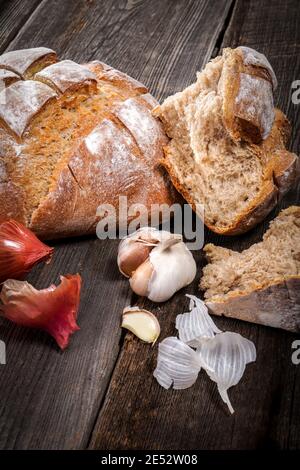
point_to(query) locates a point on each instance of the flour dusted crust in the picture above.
(246, 85)
(66, 75)
(7, 77)
(20, 102)
(118, 78)
(73, 137)
(262, 283)
(227, 151)
(26, 62)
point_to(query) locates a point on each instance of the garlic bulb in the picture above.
(141, 323)
(157, 262)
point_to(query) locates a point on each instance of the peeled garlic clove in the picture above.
(141, 323)
(139, 282)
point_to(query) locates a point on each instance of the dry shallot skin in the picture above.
(20, 250)
(53, 309)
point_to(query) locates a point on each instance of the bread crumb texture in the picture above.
(228, 142)
(271, 261)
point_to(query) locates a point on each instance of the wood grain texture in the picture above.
(50, 398)
(13, 15)
(137, 412)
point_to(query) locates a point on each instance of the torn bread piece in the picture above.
(228, 143)
(262, 283)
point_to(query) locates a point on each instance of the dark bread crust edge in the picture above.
(277, 305)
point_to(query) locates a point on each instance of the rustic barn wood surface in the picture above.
(100, 393)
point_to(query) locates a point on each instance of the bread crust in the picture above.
(277, 305)
(117, 154)
(272, 301)
(246, 85)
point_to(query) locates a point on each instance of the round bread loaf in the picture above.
(73, 137)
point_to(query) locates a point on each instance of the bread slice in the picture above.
(227, 150)
(260, 284)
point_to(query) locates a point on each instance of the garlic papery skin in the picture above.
(136, 247)
(139, 282)
(178, 365)
(224, 358)
(141, 323)
(168, 267)
(196, 325)
(173, 268)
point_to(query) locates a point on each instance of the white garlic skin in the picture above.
(173, 269)
(135, 248)
(169, 266)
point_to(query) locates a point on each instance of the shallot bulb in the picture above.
(53, 309)
(158, 263)
(20, 250)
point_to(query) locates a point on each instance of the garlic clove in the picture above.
(141, 323)
(139, 281)
(136, 247)
(131, 258)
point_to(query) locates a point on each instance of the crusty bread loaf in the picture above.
(227, 150)
(260, 284)
(73, 137)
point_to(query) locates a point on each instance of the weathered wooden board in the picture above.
(137, 412)
(51, 399)
(13, 16)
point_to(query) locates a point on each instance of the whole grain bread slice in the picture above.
(262, 283)
(228, 143)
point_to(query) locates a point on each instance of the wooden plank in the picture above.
(51, 399)
(13, 15)
(137, 412)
